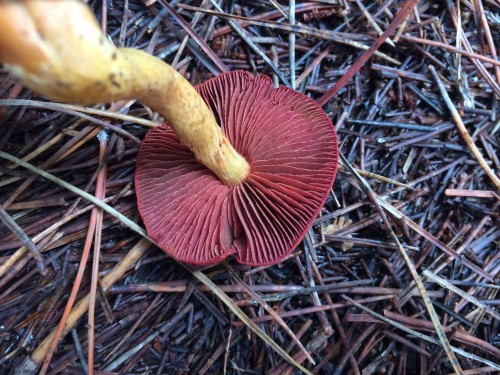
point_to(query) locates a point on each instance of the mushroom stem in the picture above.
(57, 49)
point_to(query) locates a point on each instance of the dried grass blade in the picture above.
(67, 109)
(420, 335)
(89, 110)
(445, 284)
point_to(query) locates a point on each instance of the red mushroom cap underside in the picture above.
(291, 147)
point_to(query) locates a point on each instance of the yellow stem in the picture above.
(57, 49)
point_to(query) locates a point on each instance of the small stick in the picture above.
(462, 130)
(471, 193)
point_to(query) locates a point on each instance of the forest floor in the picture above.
(397, 275)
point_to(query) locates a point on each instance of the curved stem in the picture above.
(57, 49)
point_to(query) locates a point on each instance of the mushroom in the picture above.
(291, 148)
(249, 183)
